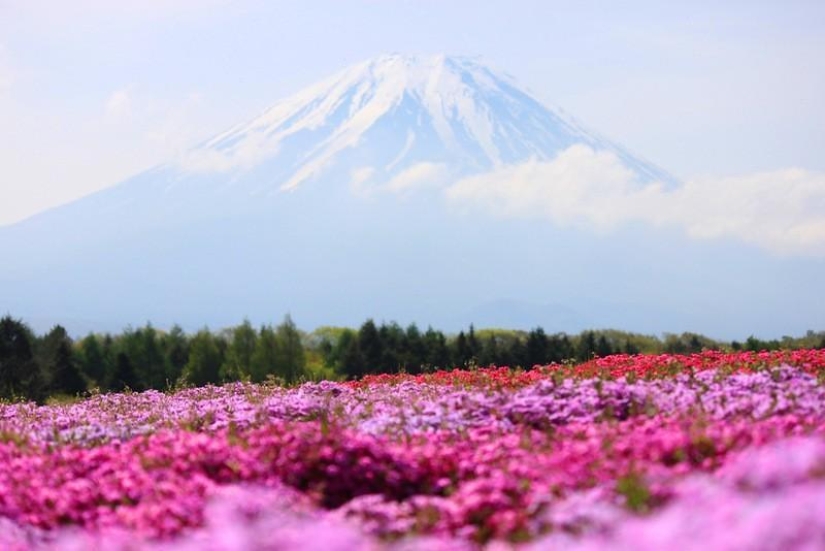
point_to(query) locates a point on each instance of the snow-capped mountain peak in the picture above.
(394, 119)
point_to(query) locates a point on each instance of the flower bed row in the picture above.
(615, 366)
(410, 407)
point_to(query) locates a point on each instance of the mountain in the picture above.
(331, 205)
(396, 121)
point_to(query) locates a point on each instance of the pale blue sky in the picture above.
(94, 91)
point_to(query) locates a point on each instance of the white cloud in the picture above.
(419, 175)
(367, 181)
(781, 211)
(579, 187)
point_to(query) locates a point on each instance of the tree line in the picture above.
(35, 367)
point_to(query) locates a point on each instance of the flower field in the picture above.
(711, 451)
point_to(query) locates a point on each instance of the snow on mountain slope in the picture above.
(396, 122)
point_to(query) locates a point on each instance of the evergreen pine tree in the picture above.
(205, 360)
(146, 356)
(416, 353)
(20, 374)
(109, 350)
(131, 344)
(66, 377)
(537, 346)
(518, 353)
(92, 360)
(290, 357)
(265, 358)
(490, 354)
(393, 351)
(630, 348)
(175, 347)
(123, 377)
(350, 361)
(559, 348)
(603, 347)
(371, 347)
(461, 351)
(238, 362)
(437, 353)
(55, 355)
(59, 364)
(473, 346)
(586, 348)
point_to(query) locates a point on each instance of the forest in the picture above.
(55, 366)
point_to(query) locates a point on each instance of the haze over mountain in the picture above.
(409, 188)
